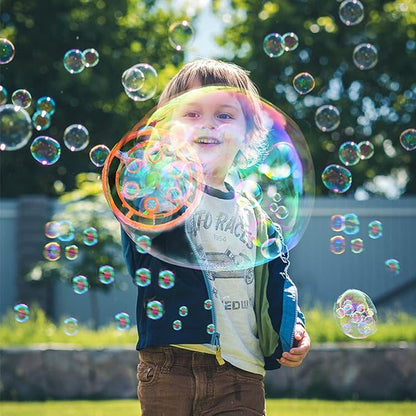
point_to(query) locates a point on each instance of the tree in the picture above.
(375, 104)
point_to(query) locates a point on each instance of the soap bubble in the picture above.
(21, 312)
(76, 137)
(365, 56)
(210, 329)
(98, 154)
(177, 324)
(46, 104)
(357, 245)
(66, 231)
(327, 118)
(337, 244)
(166, 279)
(22, 98)
(132, 79)
(183, 311)
(142, 90)
(45, 150)
(303, 83)
(349, 153)
(71, 252)
(337, 223)
(52, 229)
(41, 120)
(291, 41)
(274, 45)
(337, 178)
(153, 179)
(52, 251)
(351, 12)
(74, 61)
(7, 51)
(70, 326)
(80, 284)
(143, 277)
(181, 34)
(351, 224)
(3, 95)
(392, 266)
(408, 139)
(154, 309)
(375, 229)
(355, 314)
(90, 236)
(15, 127)
(123, 321)
(106, 274)
(208, 304)
(91, 57)
(366, 149)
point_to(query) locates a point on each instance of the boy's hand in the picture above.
(295, 356)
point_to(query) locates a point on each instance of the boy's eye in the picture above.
(225, 116)
(191, 114)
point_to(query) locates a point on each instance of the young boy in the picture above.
(208, 333)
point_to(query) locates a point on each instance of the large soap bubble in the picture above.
(15, 127)
(212, 170)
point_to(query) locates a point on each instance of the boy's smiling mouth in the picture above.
(207, 140)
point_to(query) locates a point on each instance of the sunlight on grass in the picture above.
(275, 407)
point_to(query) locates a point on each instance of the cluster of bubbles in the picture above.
(181, 34)
(355, 314)
(275, 44)
(75, 60)
(140, 81)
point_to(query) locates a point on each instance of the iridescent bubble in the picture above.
(143, 277)
(90, 236)
(366, 149)
(303, 83)
(22, 98)
(106, 274)
(52, 229)
(408, 139)
(143, 244)
(71, 252)
(208, 304)
(271, 248)
(21, 312)
(45, 150)
(351, 224)
(52, 251)
(337, 223)
(3, 95)
(132, 79)
(281, 212)
(375, 229)
(91, 56)
(123, 321)
(166, 279)
(74, 61)
(327, 118)
(337, 178)
(177, 324)
(154, 309)
(357, 245)
(274, 45)
(41, 120)
(71, 326)
(355, 314)
(98, 154)
(80, 284)
(210, 329)
(66, 231)
(46, 104)
(181, 34)
(365, 56)
(278, 164)
(351, 12)
(15, 127)
(7, 51)
(76, 137)
(291, 41)
(349, 153)
(337, 244)
(183, 311)
(148, 89)
(392, 266)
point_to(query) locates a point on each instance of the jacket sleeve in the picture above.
(130, 253)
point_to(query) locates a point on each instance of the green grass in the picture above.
(397, 327)
(275, 407)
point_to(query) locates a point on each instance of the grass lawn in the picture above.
(275, 407)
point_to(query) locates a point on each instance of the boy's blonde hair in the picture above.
(210, 72)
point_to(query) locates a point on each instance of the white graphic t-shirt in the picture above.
(221, 234)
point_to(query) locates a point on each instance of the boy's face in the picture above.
(216, 129)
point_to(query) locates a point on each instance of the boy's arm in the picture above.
(297, 354)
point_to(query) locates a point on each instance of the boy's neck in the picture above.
(216, 183)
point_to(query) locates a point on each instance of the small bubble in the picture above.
(181, 34)
(143, 277)
(71, 252)
(303, 83)
(90, 236)
(46, 104)
(154, 309)
(80, 284)
(208, 304)
(91, 57)
(74, 61)
(122, 320)
(351, 12)
(177, 325)
(51, 229)
(106, 274)
(357, 245)
(365, 56)
(337, 244)
(375, 229)
(15, 127)
(41, 120)
(366, 149)
(45, 150)
(52, 251)
(349, 153)
(392, 266)
(3, 95)
(76, 137)
(21, 312)
(166, 279)
(327, 118)
(183, 311)
(70, 326)
(408, 139)
(351, 224)
(7, 51)
(337, 178)
(274, 45)
(66, 231)
(98, 154)
(337, 223)
(22, 98)
(210, 329)
(291, 41)
(143, 244)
